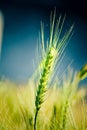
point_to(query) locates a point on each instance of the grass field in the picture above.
(17, 108)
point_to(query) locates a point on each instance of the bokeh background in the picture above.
(20, 35)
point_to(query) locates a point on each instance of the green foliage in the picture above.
(17, 107)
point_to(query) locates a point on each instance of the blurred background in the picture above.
(19, 29)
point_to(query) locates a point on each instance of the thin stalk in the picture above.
(42, 87)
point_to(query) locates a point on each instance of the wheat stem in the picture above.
(54, 49)
(42, 87)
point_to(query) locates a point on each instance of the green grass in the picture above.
(17, 108)
(46, 105)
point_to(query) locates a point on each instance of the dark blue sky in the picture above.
(21, 27)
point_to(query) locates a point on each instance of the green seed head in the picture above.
(82, 74)
(42, 87)
(54, 49)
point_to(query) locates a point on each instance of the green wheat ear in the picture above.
(82, 74)
(53, 53)
(42, 87)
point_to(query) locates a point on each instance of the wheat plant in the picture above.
(55, 48)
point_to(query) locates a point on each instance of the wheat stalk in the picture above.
(82, 74)
(68, 94)
(53, 54)
(42, 88)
